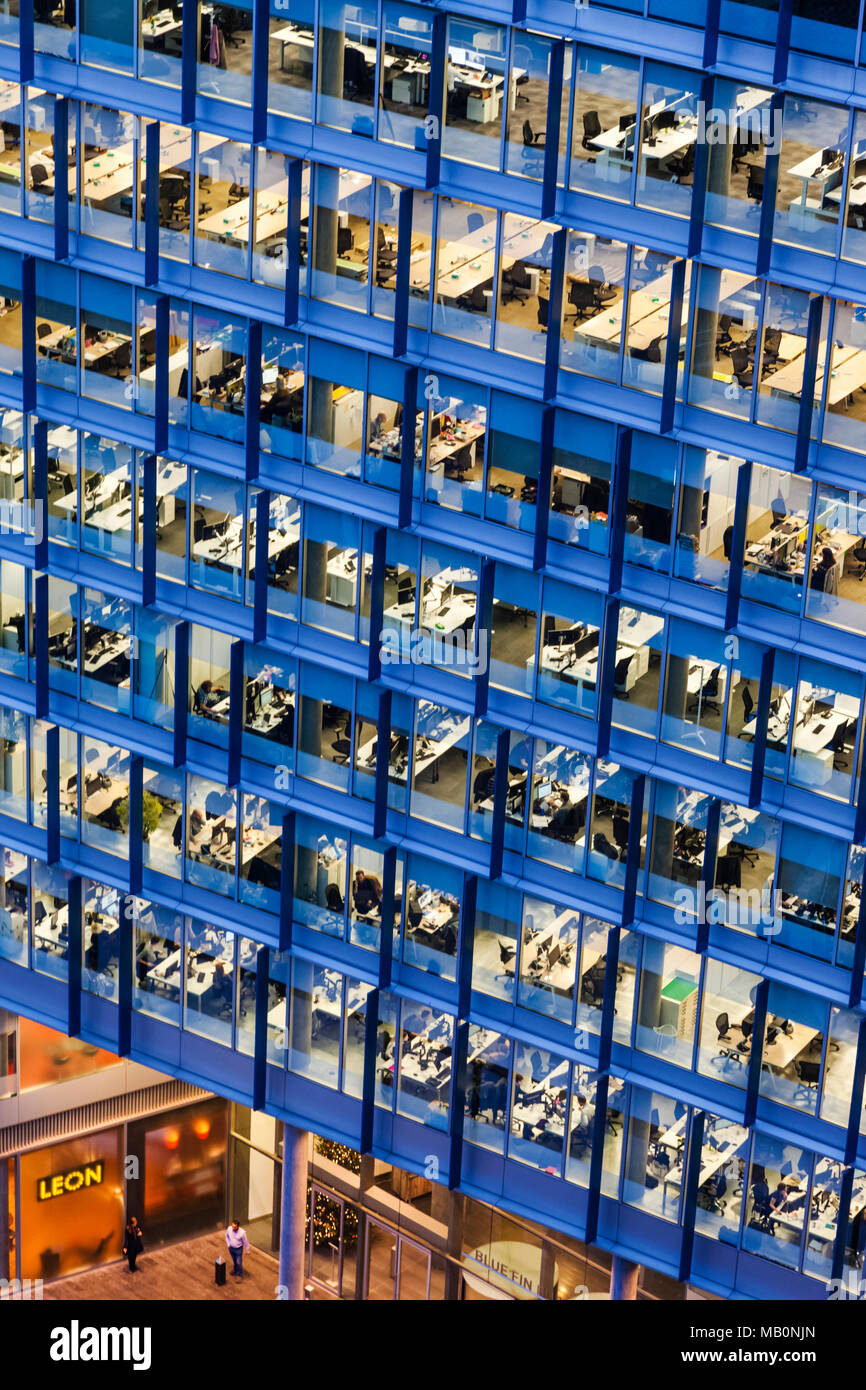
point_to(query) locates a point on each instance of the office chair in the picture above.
(476, 299)
(743, 367)
(516, 283)
(708, 693)
(591, 128)
(620, 677)
(506, 954)
(531, 137)
(582, 298)
(858, 553)
(755, 186)
(723, 1023)
(604, 292)
(474, 222)
(543, 308)
(620, 833)
(808, 1074)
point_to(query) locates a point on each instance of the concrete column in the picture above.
(293, 1215)
(623, 1278)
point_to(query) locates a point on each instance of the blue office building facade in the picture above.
(472, 383)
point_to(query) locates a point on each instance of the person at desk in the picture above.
(568, 821)
(378, 426)
(366, 893)
(208, 695)
(825, 574)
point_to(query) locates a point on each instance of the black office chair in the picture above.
(620, 833)
(708, 693)
(604, 292)
(582, 298)
(532, 137)
(475, 300)
(506, 954)
(723, 1024)
(620, 676)
(591, 128)
(743, 368)
(859, 554)
(808, 1074)
(516, 283)
(755, 186)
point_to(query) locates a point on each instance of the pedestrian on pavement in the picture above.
(236, 1240)
(133, 1243)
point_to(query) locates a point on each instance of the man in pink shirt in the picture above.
(236, 1240)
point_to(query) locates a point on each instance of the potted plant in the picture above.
(151, 814)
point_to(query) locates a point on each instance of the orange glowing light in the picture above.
(201, 1127)
(172, 1138)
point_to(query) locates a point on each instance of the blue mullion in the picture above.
(52, 795)
(252, 399)
(161, 381)
(40, 627)
(291, 301)
(738, 545)
(383, 747)
(807, 395)
(633, 848)
(377, 603)
(689, 1203)
(483, 629)
(611, 965)
(40, 495)
(135, 829)
(25, 43)
(699, 177)
(436, 101)
(711, 33)
(260, 565)
(386, 929)
(708, 876)
(188, 61)
(672, 355)
(127, 918)
(404, 257)
(457, 1109)
(468, 901)
(151, 203)
(287, 878)
(599, 1130)
(855, 1109)
(543, 492)
(181, 692)
(236, 711)
(261, 39)
(605, 687)
(500, 794)
(73, 956)
(260, 1044)
(756, 1055)
(148, 536)
(554, 314)
(368, 1087)
(846, 1189)
(762, 714)
(619, 502)
(61, 179)
(858, 964)
(771, 184)
(407, 446)
(28, 333)
(783, 42)
(551, 129)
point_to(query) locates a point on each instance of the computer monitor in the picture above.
(545, 789)
(435, 426)
(269, 375)
(266, 696)
(828, 155)
(627, 121)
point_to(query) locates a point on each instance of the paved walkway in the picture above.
(183, 1272)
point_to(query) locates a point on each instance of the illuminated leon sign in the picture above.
(73, 1180)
